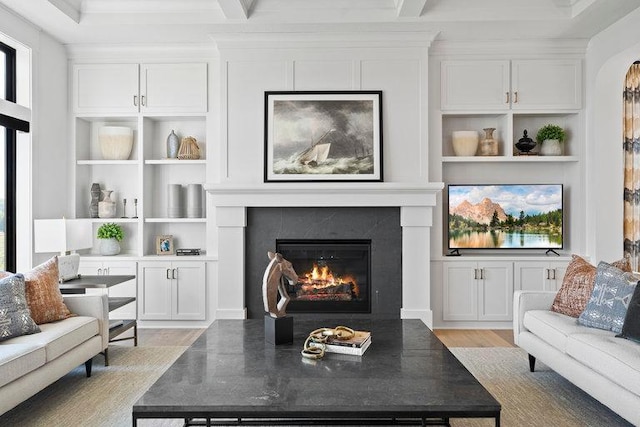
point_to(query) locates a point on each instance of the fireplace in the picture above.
(334, 276)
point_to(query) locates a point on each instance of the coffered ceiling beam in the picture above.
(236, 9)
(410, 8)
(68, 9)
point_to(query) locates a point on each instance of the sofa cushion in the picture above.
(17, 360)
(631, 325)
(554, 328)
(612, 291)
(59, 337)
(43, 293)
(15, 318)
(577, 285)
(614, 358)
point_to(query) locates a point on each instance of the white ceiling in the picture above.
(181, 21)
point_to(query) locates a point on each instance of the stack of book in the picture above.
(355, 346)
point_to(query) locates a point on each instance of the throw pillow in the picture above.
(15, 318)
(631, 325)
(577, 285)
(43, 293)
(612, 291)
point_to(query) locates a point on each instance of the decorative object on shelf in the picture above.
(173, 144)
(323, 136)
(95, 199)
(174, 201)
(188, 251)
(525, 144)
(551, 137)
(164, 245)
(135, 208)
(488, 145)
(465, 142)
(63, 236)
(106, 207)
(189, 149)
(124, 208)
(194, 201)
(116, 142)
(110, 235)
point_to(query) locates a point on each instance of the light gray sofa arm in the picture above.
(524, 301)
(93, 306)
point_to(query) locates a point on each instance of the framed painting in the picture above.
(323, 136)
(164, 245)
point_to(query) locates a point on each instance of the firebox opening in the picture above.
(334, 276)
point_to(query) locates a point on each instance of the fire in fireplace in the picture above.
(333, 275)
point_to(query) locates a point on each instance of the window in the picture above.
(9, 125)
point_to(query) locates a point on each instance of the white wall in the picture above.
(399, 71)
(609, 56)
(42, 154)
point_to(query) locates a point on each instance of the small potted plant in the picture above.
(551, 138)
(110, 234)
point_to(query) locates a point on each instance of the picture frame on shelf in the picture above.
(323, 136)
(164, 245)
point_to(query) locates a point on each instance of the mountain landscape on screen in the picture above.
(505, 216)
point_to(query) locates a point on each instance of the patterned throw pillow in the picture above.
(43, 293)
(15, 319)
(612, 292)
(631, 325)
(577, 285)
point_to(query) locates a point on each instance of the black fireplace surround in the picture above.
(266, 227)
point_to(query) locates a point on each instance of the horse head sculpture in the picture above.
(273, 284)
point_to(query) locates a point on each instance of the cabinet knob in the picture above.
(99, 271)
(142, 100)
(482, 274)
(173, 274)
(515, 97)
(135, 100)
(554, 273)
(547, 270)
(168, 274)
(506, 100)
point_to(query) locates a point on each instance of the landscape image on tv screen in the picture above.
(505, 216)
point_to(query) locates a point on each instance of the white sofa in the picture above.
(30, 363)
(606, 367)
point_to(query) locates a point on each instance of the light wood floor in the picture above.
(450, 337)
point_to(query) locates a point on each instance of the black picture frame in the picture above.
(323, 136)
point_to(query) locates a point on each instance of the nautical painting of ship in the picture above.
(317, 139)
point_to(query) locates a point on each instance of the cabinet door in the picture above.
(460, 293)
(105, 88)
(154, 291)
(531, 275)
(173, 88)
(546, 84)
(474, 85)
(496, 291)
(188, 291)
(559, 269)
(90, 268)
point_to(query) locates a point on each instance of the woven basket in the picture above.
(189, 149)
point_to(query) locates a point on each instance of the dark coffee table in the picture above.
(230, 376)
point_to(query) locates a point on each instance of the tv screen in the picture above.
(514, 216)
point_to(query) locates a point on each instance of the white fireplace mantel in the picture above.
(416, 202)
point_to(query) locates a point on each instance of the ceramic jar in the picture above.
(465, 142)
(109, 247)
(551, 147)
(106, 207)
(173, 144)
(116, 142)
(488, 145)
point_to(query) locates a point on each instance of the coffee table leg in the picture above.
(498, 420)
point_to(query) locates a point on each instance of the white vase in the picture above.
(116, 142)
(465, 142)
(109, 247)
(106, 207)
(551, 147)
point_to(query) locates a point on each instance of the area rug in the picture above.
(541, 398)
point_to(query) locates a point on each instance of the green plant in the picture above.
(109, 230)
(551, 132)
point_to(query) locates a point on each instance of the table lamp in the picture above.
(63, 236)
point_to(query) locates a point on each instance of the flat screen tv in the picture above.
(513, 216)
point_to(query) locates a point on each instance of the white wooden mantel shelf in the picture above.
(324, 194)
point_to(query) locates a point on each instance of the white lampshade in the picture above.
(62, 235)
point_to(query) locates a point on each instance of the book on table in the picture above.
(356, 345)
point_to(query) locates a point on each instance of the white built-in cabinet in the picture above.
(539, 275)
(554, 84)
(132, 88)
(125, 289)
(171, 290)
(478, 290)
(152, 99)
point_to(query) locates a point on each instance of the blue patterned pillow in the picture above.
(15, 317)
(612, 291)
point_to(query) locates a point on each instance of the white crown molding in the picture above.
(141, 52)
(511, 49)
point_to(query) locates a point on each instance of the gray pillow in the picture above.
(15, 317)
(612, 291)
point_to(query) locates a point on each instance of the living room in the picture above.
(76, 57)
